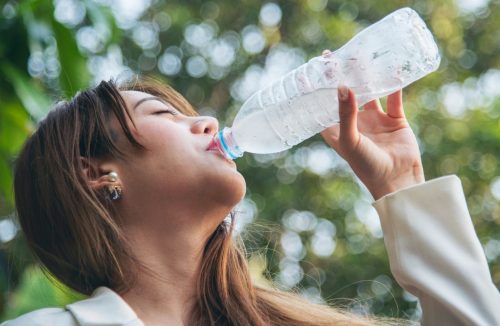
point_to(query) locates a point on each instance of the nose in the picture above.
(205, 125)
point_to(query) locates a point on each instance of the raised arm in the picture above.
(433, 249)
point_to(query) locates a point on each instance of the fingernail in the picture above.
(343, 93)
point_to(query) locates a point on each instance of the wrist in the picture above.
(401, 182)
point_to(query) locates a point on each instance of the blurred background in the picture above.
(307, 221)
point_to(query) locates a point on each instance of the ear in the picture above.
(97, 172)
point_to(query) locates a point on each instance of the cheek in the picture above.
(171, 166)
(156, 177)
(164, 157)
(157, 133)
(163, 142)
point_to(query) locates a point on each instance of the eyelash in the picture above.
(166, 111)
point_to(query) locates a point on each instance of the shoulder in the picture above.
(45, 316)
(103, 307)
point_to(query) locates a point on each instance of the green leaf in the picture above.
(34, 100)
(74, 74)
(5, 180)
(15, 125)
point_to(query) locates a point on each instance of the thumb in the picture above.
(348, 113)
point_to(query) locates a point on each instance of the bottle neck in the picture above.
(227, 144)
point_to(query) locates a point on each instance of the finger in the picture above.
(348, 113)
(373, 105)
(395, 105)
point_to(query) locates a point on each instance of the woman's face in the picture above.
(176, 173)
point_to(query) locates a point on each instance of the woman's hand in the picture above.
(379, 146)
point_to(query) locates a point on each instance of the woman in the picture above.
(121, 197)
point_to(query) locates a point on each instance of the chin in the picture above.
(238, 190)
(220, 186)
(243, 188)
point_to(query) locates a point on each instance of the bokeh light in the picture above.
(218, 54)
(270, 14)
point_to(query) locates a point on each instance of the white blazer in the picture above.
(103, 308)
(433, 252)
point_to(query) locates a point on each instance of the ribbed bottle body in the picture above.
(381, 59)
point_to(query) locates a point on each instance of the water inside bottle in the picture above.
(283, 125)
(375, 63)
(255, 134)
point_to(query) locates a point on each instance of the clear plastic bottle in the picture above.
(384, 57)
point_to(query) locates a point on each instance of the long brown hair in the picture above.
(76, 235)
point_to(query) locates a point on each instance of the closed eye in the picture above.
(166, 111)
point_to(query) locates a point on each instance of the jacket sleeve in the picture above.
(435, 254)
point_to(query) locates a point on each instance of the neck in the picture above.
(167, 292)
(171, 246)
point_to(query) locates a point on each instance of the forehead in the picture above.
(132, 97)
(171, 99)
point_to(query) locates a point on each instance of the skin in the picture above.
(379, 146)
(176, 193)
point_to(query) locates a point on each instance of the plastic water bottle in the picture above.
(384, 57)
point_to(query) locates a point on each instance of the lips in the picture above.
(213, 146)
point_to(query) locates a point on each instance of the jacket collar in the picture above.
(104, 307)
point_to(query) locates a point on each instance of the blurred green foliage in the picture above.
(325, 242)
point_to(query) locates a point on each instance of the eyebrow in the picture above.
(150, 98)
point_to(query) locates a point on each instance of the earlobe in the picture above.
(101, 176)
(115, 190)
(110, 182)
(103, 181)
